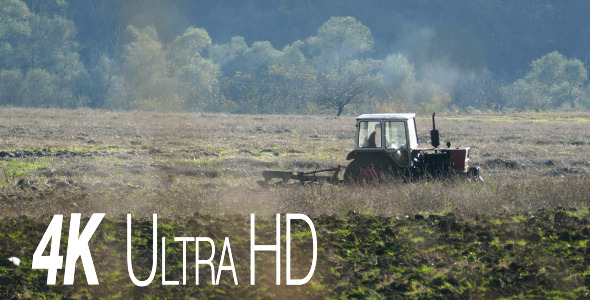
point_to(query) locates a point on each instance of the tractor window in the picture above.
(369, 134)
(395, 135)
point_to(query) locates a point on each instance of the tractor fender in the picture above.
(376, 162)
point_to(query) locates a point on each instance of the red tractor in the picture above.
(386, 146)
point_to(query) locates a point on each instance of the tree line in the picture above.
(334, 70)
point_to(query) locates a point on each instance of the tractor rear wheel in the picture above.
(369, 169)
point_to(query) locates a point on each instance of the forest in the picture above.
(295, 57)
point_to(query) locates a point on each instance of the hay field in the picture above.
(523, 232)
(60, 161)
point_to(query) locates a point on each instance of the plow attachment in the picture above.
(302, 177)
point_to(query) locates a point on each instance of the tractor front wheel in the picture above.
(369, 169)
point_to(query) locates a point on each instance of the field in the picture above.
(522, 232)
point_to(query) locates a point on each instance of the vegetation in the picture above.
(176, 56)
(538, 255)
(521, 233)
(553, 82)
(148, 85)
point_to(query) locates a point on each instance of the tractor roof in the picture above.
(386, 116)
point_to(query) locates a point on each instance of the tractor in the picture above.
(386, 146)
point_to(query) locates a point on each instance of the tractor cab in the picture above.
(390, 131)
(391, 134)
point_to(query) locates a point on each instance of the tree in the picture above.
(290, 79)
(255, 60)
(527, 95)
(478, 90)
(106, 85)
(338, 93)
(187, 48)
(52, 46)
(352, 86)
(42, 47)
(196, 75)
(247, 84)
(554, 81)
(339, 40)
(40, 89)
(10, 86)
(14, 26)
(398, 78)
(343, 78)
(145, 69)
(224, 53)
(562, 78)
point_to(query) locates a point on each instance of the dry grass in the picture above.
(60, 161)
(432, 240)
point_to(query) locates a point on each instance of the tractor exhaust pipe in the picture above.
(434, 138)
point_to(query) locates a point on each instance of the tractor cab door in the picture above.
(396, 141)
